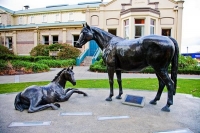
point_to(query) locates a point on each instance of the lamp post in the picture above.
(187, 49)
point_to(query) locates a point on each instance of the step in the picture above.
(87, 61)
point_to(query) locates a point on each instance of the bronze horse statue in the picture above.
(134, 55)
(37, 98)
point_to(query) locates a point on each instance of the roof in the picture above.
(6, 9)
(55, 8)
(76, 23)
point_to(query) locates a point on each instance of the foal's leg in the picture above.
(160, 90)
(163, 74)
(118, 74)
(110, 75)
(63, 98)
(67, 90)
(35, 105)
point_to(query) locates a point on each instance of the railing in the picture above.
(96, 54)
(82, 57)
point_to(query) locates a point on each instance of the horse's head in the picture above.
(85, 36)
(69, 75)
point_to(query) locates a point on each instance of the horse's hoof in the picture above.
(108, 99)
(165, 109)
(153, 102)
(57, 104)
(118, 97)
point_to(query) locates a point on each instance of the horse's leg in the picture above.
(62, 98)
(35, 105)
(163, 74)
(110, 76)
(160, 90)
(118, 74)
(67, 90)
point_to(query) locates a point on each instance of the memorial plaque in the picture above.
(75, 113)
(112, 117)
(16, 78)
(186, 130)
(134, 100)
(30, 123)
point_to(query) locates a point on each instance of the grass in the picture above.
(187, 86)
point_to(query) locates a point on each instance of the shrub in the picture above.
(186, 62)
(68, 52)
(58, 63)
(40, 50)
(5, 51)
(55, 47)
(37, 67)
(3, 65)
(29, 67)
(98, 66)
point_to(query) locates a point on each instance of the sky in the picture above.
(190, 27)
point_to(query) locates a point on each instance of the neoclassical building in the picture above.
(22, 30)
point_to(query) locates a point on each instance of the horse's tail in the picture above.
(18, 105)
(174, 64)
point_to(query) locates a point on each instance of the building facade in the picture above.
(22, 30)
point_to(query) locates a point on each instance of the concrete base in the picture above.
(185, 113)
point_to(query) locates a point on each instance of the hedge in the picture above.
(58, 63)
(24, 58)
(186, 65)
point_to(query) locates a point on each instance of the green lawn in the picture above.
(188, 86)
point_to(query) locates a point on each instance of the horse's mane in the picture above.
(58, 74)
(102, 31)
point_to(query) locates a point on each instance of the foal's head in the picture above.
(85, 36)
(68, 74)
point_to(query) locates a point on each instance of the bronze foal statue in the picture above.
(37, 98)
(134, 55)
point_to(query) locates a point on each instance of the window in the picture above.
(152, 26)
(126, 29)
(46, 40)
(71, 17)
(166, 32)
(76, 37)
(57, 18)
(32, 20)
(55, 39)
(113, 31)
(44, 19)
(20, 20)
(139, 27)
(9, 42)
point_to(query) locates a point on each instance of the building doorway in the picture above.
(9, 42)
(166, 32)
(46, 40)
(76, 37)
(113, 31)
(55, 39)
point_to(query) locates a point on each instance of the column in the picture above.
(4, 39)
(147, 26)
(179, 26)
(102, 20)
(131, 28)
(157, 27)
(35, 37)
(14, 47)
(64, 36)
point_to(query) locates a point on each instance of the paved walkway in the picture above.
(184, 115)
(81, 72)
